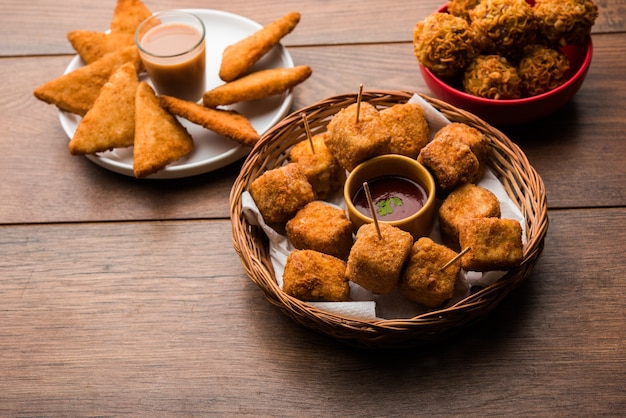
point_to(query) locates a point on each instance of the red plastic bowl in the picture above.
(516, 111)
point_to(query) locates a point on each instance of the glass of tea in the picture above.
(172, 47)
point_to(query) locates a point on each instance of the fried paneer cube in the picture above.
(352, 141)
(408, 128)
(422, 280)
(313, 276)
(375, 263)
(451, 162)
(319, 165)
(473, 138)
(466, 202)
(281, 192)
(321, 227)
(495, 244)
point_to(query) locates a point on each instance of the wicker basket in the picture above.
(519, 179)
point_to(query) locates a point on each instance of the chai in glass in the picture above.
(172, 47)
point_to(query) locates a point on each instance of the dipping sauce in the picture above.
(173, 52)
(394, 198)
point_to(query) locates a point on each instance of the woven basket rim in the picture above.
(520, 179)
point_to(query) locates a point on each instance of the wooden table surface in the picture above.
(125, 297)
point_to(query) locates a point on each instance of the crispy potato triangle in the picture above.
(77, 91)
(228, 123)
(238, 58)
(110, 123)
(160, 139)
(91, 45)
(128, 14)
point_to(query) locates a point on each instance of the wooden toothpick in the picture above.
(358, 102)
(308, 131)
(456, 257)
(370, 202)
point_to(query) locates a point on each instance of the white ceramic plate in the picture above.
(211, 150)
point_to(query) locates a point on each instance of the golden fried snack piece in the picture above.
(319, 165)
(408, 128)
(461, 8)
(566, 22)
(492, 77)
(281, 192)
(444, 44)
(473, 138)
(227, 123)
(257, 85)
(313, 276)
(375, 263)
(451, 162)
(91, 45)
(466, 202)
(321, 227)
(542, 69)
(496, 244)
(238, 58)
(110, 123)
(127, 15)
(422, 280)
(352, 141)
(160, 139)
(75, 92)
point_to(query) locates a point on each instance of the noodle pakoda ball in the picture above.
(408, 128)
(473, 138)
(313, 276)
(503, 26)
(422, 279)
(492, 77)
(374, 263)
(466, 202)
(444, 44)
(319, 165)
(451, 163)
(566, 22)
(350, 141)
(461, 8)
(542, 69)
(495, 244)
(321, 227)
(281, 192)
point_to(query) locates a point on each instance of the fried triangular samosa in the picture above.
(128, 14)
(227, 123)
(110, 123)
(160, 139)
(92, 45)
(77, 91)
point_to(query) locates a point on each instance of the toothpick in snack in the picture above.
(456, 257)
(370, 202)
(358, 102)
(308, 131)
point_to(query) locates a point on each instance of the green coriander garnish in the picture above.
(385, 206)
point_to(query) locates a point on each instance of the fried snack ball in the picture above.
(376, 263)
(313, 276)
(319, 165)
(502, 26)
(407, 127)
(321, 227)
(495, 244)
(473, 138)
(422, 280)
(444, 44)
(566, 22)
(492, 77)
(350, 141)
(542, 69)
(281, 192)
(466, 202)
(451, 163)
(461, 8)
